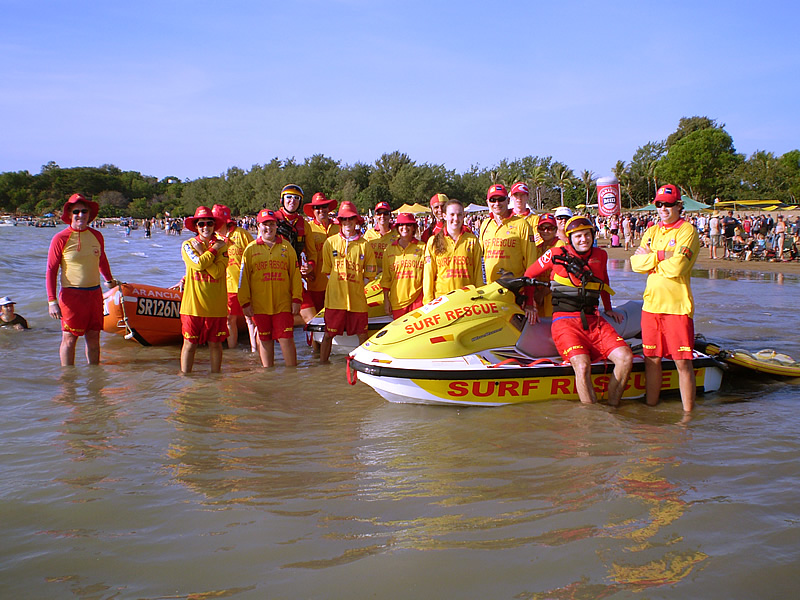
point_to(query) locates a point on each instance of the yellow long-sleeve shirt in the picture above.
(349, 264)
(238, 239)
(270, 277)
(316, 235)
(205, 292)
(403, 270)
(668, 289)
(508, 246)
(458, 266)
(380, 242)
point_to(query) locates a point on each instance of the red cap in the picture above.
(405, 219)
(498, 190)
(520, 188)
(383, 206)
(668, 193)
(548, 219)
(265, 215)
(437, 199)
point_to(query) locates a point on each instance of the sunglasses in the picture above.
(562, 218)
(498, 199)
(660, 204)
(547, 228)
(293, 197)
(383, 213)
(346, 219)
(206, 223)
(80, 211)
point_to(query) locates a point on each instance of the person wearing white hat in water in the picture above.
(7, 316)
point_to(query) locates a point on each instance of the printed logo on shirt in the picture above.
(686, 251)
(335, 253)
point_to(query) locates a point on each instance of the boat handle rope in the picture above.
(354, 379)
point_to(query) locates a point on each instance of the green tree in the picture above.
(702, 162)
(689, 125)
(587, 179)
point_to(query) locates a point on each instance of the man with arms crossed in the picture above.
(667, 253)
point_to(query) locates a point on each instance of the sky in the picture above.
(191, 88)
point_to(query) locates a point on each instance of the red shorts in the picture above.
(600, 340)
(234, 308)
(274, 327)
(199, 330)
(312, 299)
(667, 336)
(396, 314)
(339, 322)
(81, 310)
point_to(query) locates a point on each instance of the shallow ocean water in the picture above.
(128, 480)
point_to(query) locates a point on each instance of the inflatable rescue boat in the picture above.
(149, 314)
(474, 346)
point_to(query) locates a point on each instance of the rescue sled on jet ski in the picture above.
(474, 346)
(377, 320)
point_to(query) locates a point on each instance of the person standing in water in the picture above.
(79, 252)
(204, 306)
(667, 254)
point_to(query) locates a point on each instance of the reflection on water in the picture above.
(128, 480)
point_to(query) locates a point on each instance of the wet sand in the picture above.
(704, 262)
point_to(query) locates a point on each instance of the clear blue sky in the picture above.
(190, 88)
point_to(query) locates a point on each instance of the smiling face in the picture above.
(668, 213)
(80, 216)
(383, 220)
(547, 232)
(454, 219)
(7, 312)
(498, 206)
(291, 202)
(348, 226)
(205, 228)
(268, 230)
(437, 211)
(582, 240)
(406, 231)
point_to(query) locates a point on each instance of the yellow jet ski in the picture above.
(474, 346)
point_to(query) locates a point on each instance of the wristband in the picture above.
(52, 302)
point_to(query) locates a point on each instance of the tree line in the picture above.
(699, 157)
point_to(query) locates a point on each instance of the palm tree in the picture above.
(562, 176)
(623, 176)
(587, 177)
(537, 178)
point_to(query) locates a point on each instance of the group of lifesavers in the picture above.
(296, 266)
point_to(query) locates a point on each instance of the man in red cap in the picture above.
(507, 240)
(382, 234)
(79, 251)
(349, 262)
(237, 239)
(437, 203)
(667, 254)
(204, 306)
(271, 289)
(519, 198)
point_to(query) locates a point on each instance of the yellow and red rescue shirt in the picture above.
(533, 221)
(349, 264)
(237, 239)
(81, 256)
(508, 246)
(316, 234)
(403, 270)
(380, 242)
(270, 277)
(205, 291)
(458, 266)
(668, 289)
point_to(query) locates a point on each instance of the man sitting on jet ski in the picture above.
(579, 280)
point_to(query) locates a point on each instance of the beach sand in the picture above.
(704, 262)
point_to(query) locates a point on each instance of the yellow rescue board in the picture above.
(763, 361)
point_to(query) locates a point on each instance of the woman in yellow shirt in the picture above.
(452, 256)
(403, 268)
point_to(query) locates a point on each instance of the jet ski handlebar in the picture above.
(516, 284)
